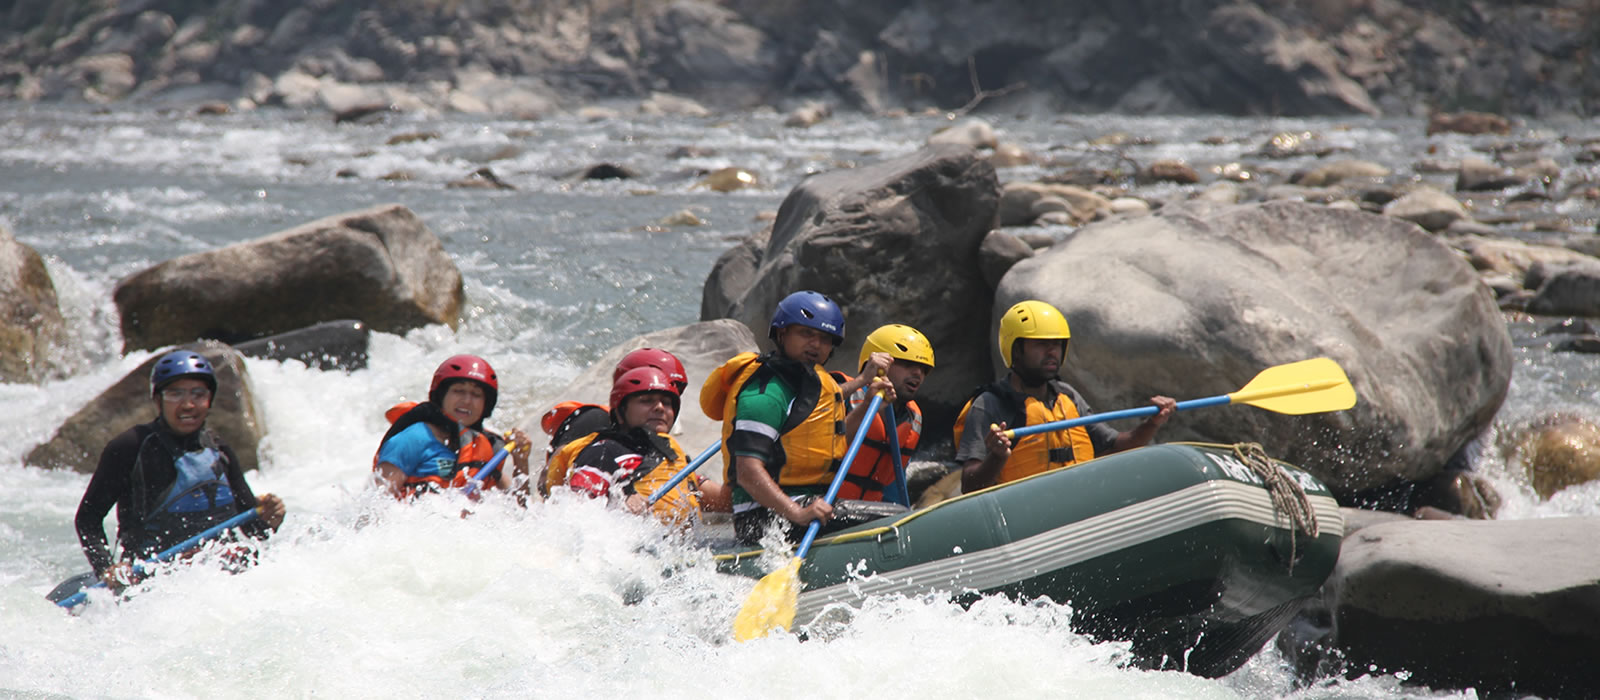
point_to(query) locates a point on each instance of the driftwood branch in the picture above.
(978, 93)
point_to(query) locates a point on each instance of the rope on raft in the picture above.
(1288, 499)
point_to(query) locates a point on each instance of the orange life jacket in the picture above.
(1032, 454)
(873, 469)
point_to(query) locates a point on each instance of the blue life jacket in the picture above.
(197, 499)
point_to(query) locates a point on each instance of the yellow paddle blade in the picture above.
(771, 605)
(1309, 386)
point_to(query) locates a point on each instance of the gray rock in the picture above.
(892, 242)
(234, 416)
(32, 330)
(1427, 207)
(1338, 172)
(329, 345)
(380, 265)
(1565, 288)
(999, 251)
(1499, 606)
(1194, 301)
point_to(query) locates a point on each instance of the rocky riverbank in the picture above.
(524, 58)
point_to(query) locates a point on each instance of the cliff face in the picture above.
(1288, 57)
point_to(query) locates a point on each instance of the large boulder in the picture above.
(1196, 300)
(893, 242)
(234, 416)
(380, 265)
(1500, 606)
(31, 326)
(701, 347)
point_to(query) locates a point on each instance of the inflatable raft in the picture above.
(1196, 554)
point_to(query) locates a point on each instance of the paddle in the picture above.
(141, 567)
(1309, 386)
(898, 492)
(771, 605)
(494, 463)
(684, 473)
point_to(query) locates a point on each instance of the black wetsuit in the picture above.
(135, 469)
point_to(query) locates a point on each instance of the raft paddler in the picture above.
(784, 420)
(441, 443)
(569, 420)
(634, 456)
(170, 479)
(905, 357)
(1033, 342)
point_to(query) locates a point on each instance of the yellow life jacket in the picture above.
(1032, 454)
(811, 441)
(677, 507)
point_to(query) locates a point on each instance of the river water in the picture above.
(360, 597)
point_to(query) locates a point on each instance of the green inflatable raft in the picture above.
(1197, 554)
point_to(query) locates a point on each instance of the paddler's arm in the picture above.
(715, 496)
(1146, 431)
(877, 363)
(982, 473)
(852, 422)
(109, 482)
(391, 479)
(519, 458)
(758, 483)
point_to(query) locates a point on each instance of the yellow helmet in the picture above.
(902, 342)
(1030, 319)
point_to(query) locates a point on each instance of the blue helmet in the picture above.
(809, 309)
(178, 364)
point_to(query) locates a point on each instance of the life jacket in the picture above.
(873, 469)
(1032, 454)
(474, 448)
(198, 498)
(643, 474)
(811, 440)
(565, 422)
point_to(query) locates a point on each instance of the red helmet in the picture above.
(657, 358)
(640, 380)
(470, 367)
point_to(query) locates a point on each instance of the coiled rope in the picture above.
(1288, 499)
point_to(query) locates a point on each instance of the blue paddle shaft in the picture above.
(1027, 430)
(141, 567)
(838, 479)
(891, 429)
(477, 479)
(684, 473)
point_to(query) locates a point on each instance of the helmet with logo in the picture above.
(465, 367)
(809, 309)
(902, 342)
(638, 381)
(657, 358)
(178, 364)
(1031, 319)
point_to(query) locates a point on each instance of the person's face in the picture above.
(463, 402)
(184, 404)
(907, 376)
(1040, 356)
(805, 344)
(651, 410)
